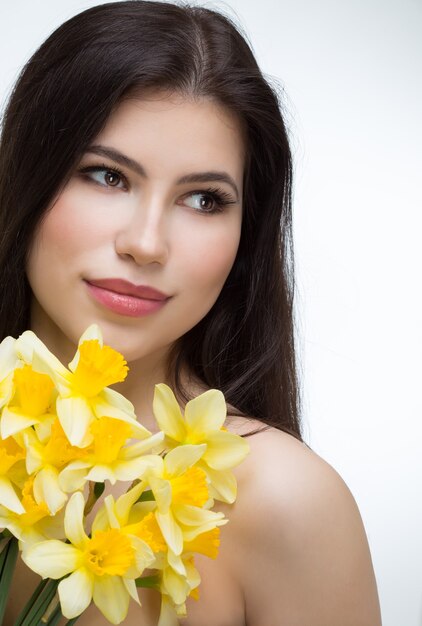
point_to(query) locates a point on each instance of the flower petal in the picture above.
(75, 416)
(223, 484)
(73, 520)
(206, 412)
(8, 497)
(75, 592)
(132, 589)
(111, 597)
(47, 489)
(168, 615)
(167, 413)
(182, 458)
(52, 558)
(13, 422)
(225, 450)
(171, 531)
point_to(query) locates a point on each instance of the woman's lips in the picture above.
(125, 298)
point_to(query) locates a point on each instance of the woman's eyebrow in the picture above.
(200, 177)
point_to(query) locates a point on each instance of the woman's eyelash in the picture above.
(104, 168)
(220, 198)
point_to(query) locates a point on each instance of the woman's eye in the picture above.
(208, 201)
(106, 177)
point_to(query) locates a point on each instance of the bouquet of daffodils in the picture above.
(63, 434)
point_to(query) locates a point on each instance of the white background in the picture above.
(352, 71)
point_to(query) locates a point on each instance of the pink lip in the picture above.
(125, 298)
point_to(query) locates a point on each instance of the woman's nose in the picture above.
(144, 237)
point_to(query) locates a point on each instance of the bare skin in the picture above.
(294, 553)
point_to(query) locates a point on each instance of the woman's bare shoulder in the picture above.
(305, 537)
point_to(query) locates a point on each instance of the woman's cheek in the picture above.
(210, 254)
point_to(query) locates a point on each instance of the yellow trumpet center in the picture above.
(33, 391)
(33, 511)
(58, 451)
(109, 436)
(148, 530)
(109, 552)
(98, 367)
(206, 543)
(10, 453)
(190, 487)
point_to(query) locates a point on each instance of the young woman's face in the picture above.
(154, 204)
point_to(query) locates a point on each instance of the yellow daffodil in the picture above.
(133, 517)
(31, 403)
(83, 393)
(34, 523)
(203, 423)
(46, 459)
(175, 587)
(110, 456)
(181, 492)
(101, 568)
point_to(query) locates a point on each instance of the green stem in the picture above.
(37, 605)
(8, 558)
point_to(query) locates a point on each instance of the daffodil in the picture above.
(45, 460)
(34, 522)
(180, 489)
(31, 403)
(112, 455)
(83, 393)
(203, 423)
(101, 568)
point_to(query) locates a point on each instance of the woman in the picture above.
(145, 180)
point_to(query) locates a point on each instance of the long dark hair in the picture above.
(63, 97)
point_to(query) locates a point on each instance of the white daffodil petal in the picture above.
(13, 422)
(144, 556)
(176, 562)
(111, 597)
(162, 493)
(8, 356)
(47, 489)
(32, 350)
(206, 412)
(136, 449)
(182, 458)
(8, 497)
(189, 515)
(75, 593)
(167, 413)
(52, 558)
(75, 416)
(101, 473)
(73, 478)
(125, 502)
(171, 531)
(168, 615)
(132, 589)
(175, 585)
(111, 397)
(225, 450)
(73, 520)
(109, 506)
(223, 484)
